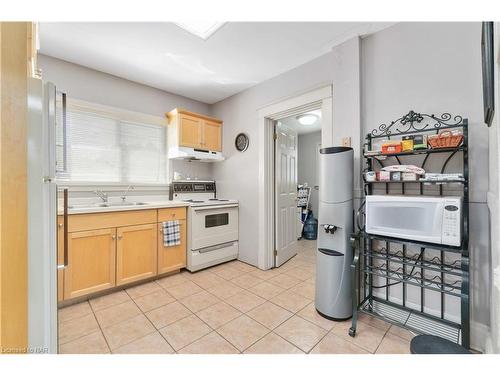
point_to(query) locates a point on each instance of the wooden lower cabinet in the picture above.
(171, 258)
(136, 254)
(129, 251)
(91, 262)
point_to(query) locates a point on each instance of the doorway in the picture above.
(319, 98)
(297, 139)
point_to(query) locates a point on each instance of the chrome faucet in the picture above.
(124, 196)
(102, 195)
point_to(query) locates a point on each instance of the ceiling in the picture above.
(294, 124)
(162, 55)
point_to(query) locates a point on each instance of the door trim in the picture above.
(319, 98)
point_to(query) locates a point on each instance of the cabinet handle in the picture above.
(113, 237)
(60, 225)
(120, 236)
(161, 230)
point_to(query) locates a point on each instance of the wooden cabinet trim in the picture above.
(166, 214)
(179, 111)
(82, 222)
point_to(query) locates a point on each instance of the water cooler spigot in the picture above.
(329, 228)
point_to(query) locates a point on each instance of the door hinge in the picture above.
(275, 136)
(275, 252)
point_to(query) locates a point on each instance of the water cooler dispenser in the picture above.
(335, 225)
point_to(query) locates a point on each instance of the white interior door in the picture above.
(286, 194)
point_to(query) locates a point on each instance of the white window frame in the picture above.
(122, 115)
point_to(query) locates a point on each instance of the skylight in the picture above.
(202, 29)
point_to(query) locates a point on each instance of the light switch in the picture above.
(346, 141)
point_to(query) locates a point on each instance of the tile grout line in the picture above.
(144, 314)
(293, 343)
(100, 328)
(383, 337)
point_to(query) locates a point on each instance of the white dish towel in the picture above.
(171, 233)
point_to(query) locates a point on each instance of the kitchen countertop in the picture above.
(87, 209)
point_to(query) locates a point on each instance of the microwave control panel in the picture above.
(452, 223)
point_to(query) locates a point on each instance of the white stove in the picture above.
(209, 202)
(212, 223)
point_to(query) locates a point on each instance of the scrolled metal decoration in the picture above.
(414, 122)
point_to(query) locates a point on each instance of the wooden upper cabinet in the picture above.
(136, 253)
(189, 129)
(212, 135)
(91, 262)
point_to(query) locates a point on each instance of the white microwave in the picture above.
(428, 219)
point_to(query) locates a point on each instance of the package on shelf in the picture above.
(407, 143)
(404, 168)
(391, 147)
(409, 176)
(419, 141)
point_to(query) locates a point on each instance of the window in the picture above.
(99, 146)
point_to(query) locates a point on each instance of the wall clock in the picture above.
(241, 142)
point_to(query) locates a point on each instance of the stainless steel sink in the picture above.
(109, 204)
(121, 204)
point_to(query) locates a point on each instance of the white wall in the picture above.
(238, 175)
(434, 68)
(307, 164)
(93, 86)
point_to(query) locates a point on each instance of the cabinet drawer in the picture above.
(166, 214)
(80, 222)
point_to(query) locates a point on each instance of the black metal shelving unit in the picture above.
(425, 268)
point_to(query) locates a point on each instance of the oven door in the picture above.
(411, 218)
(213, 225)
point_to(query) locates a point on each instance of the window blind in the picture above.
(105, 149)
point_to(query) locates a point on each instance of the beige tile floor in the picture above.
(230, 308)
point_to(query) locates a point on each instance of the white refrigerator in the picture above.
(43, 108)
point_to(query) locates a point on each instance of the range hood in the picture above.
(187, 153)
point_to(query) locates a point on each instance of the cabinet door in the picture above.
(171, 258)
(190, 129)
(136, 253)
(60, 258)
(212, 136)
(91, 262)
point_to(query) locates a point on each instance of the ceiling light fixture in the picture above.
(307, 119)
(202, 29)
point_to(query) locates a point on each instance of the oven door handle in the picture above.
(215, 247)
(204, 208)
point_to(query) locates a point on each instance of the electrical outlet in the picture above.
(346, 141)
